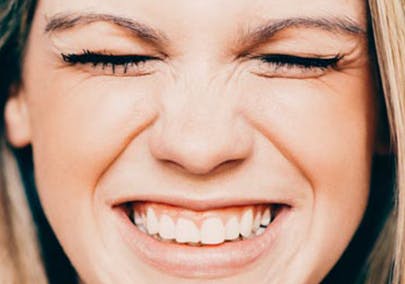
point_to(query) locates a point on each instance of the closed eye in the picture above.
(283, 65)
(305, 62)
(108, 62)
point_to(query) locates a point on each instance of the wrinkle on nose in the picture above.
(201, 141)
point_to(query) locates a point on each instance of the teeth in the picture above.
(152, 224)
(138, 218)
(266, 217)
(212, 231)
(167, 229)
(256, 223)
(142, 228)
(232, 229)
(246, 223)
(187, 231)
(260, 231)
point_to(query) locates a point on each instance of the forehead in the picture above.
(194, 15)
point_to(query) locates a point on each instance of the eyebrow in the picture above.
(250, 37)
(339, 25)
(66, 21)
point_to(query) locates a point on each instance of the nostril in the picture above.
(197, 169)
(227, 165)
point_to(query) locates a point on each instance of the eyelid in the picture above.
(87, 56)
(314, 61)
(112, 61)
(293, 66)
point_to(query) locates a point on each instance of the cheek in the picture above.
(79, 129)
(327, 132)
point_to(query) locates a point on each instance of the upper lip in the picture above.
(197, 204)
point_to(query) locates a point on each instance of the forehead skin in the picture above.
(181, 19)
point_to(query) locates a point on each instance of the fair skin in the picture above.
(206, 127)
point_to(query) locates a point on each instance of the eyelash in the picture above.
(282, 64)
(95, 59)
(303, 63)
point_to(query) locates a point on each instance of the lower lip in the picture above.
(198, 262)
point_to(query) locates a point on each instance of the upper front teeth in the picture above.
(186, 231)
(212, 231)
(209, 230)
(232, 229)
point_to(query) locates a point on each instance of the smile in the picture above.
(216, 242)
(213, 227)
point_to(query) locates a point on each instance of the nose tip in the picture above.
(199, 149)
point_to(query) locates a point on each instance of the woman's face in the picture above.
(165, 133)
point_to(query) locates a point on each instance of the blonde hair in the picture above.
(388, 20)
(20, 257)
(20, 260)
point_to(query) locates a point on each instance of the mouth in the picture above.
(217, 242)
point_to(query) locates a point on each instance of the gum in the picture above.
(197, 216)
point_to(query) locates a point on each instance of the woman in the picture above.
(186, 142)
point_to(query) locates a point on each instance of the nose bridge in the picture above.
(199, 128)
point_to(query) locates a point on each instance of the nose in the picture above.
(200, 135)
